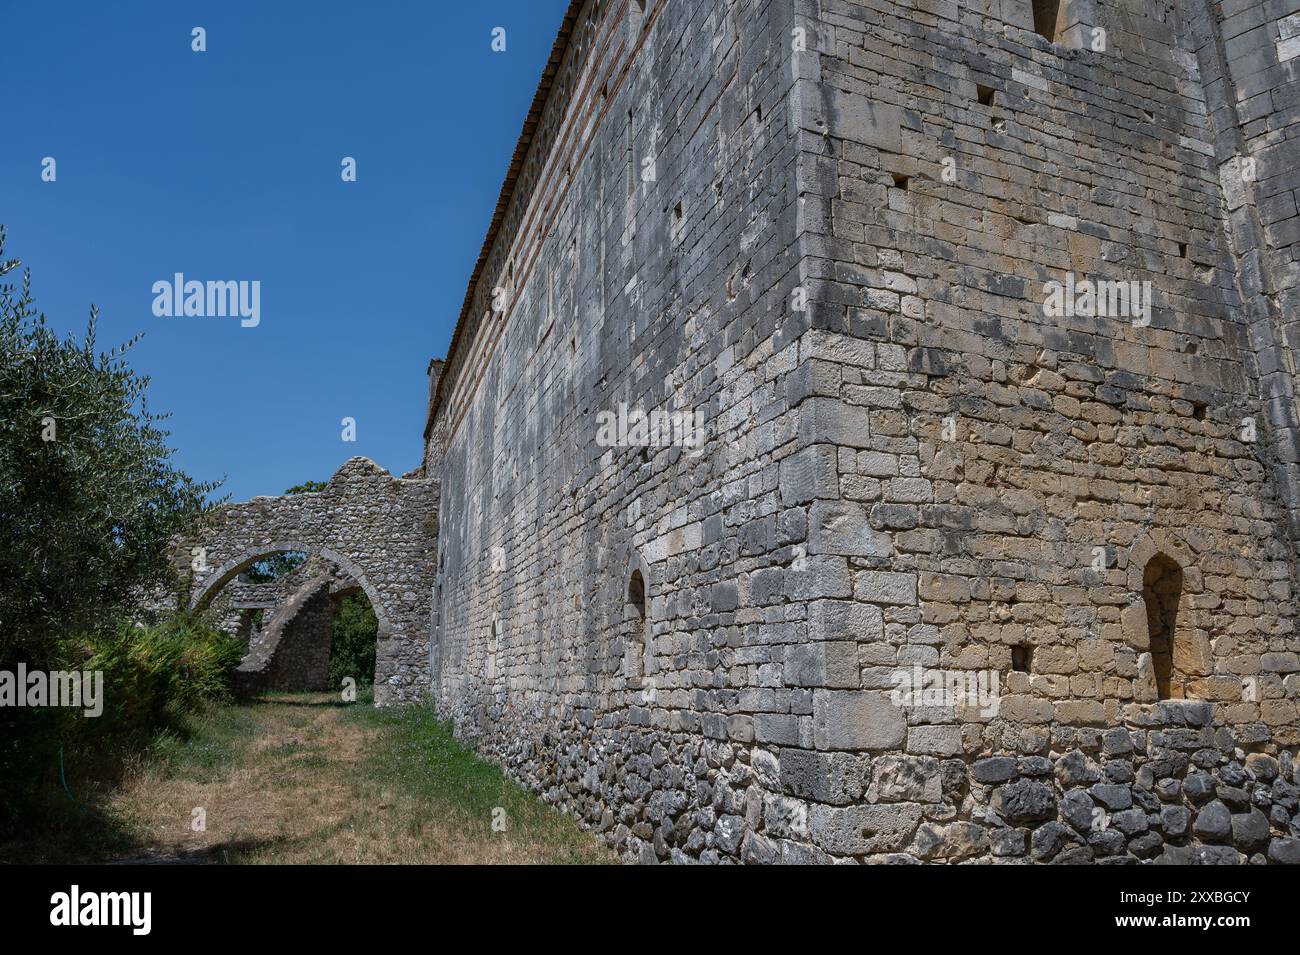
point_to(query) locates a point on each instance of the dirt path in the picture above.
(305, 779)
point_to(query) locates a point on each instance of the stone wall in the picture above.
(379, 531)
(235, 605)
(910, 471)
(999, 481)
(653, 293)
(1248, 57)
(294, 650)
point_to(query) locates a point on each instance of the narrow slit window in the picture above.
(494, 647)
(634, 624)
(1047, 15)
(631, 166)
(1162, 589)
(636, 593)
(550, 292)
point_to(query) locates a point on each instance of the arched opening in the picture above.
(354, 634)
(1162, 589)
(634, 627)
(274, 567)
(257, 591)
(309, 623)
(494, 647)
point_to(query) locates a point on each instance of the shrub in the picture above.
(154, 673)
(153, 676)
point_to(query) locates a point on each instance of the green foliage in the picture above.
(417, 754)
(161, 671)
(352, 652)
(306, 487)
(54, 761)
(274, 567)
(89, 500)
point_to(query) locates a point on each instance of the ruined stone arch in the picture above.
(1162, 622)
(223, 575)
(379, 530)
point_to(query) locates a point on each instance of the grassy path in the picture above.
(304, 778)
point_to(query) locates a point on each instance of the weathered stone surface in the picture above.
(1048, 839)
(1024, 801)
(905, 779)
(1214, 822)
(1112, 797)
(1007, 842)
(1284, 851)
(1079, 810)
(1250, 830)
(822, 664)
(857, 720)
(1174, 821)
(1130, 821)
(1076, 769)
(858, 830)
(1198, 786)
(904, 456)
(836, 778)
(1145, 845)
(1106, 842)
(1262, 766)
(1216, 855)
(996, 769)
(952, 842)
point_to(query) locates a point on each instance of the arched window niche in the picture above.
(1161, 624)
(494, 646)
(1162, 591)
(638, 652)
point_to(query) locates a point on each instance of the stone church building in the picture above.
(870, 434)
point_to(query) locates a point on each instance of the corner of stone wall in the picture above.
(1246, 92)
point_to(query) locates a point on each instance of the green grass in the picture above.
(204, 743)
(80, 824)
(418, 755)
(304, 778)
(60, 769)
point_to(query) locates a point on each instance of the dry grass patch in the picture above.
(306, 779)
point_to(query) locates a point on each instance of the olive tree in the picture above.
(89, 497)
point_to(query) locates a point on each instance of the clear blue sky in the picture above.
(225, 165)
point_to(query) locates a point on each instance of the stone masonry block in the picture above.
(833, 664)
(857, 720)
(842, 527)
(809, 474)
(831, 421)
